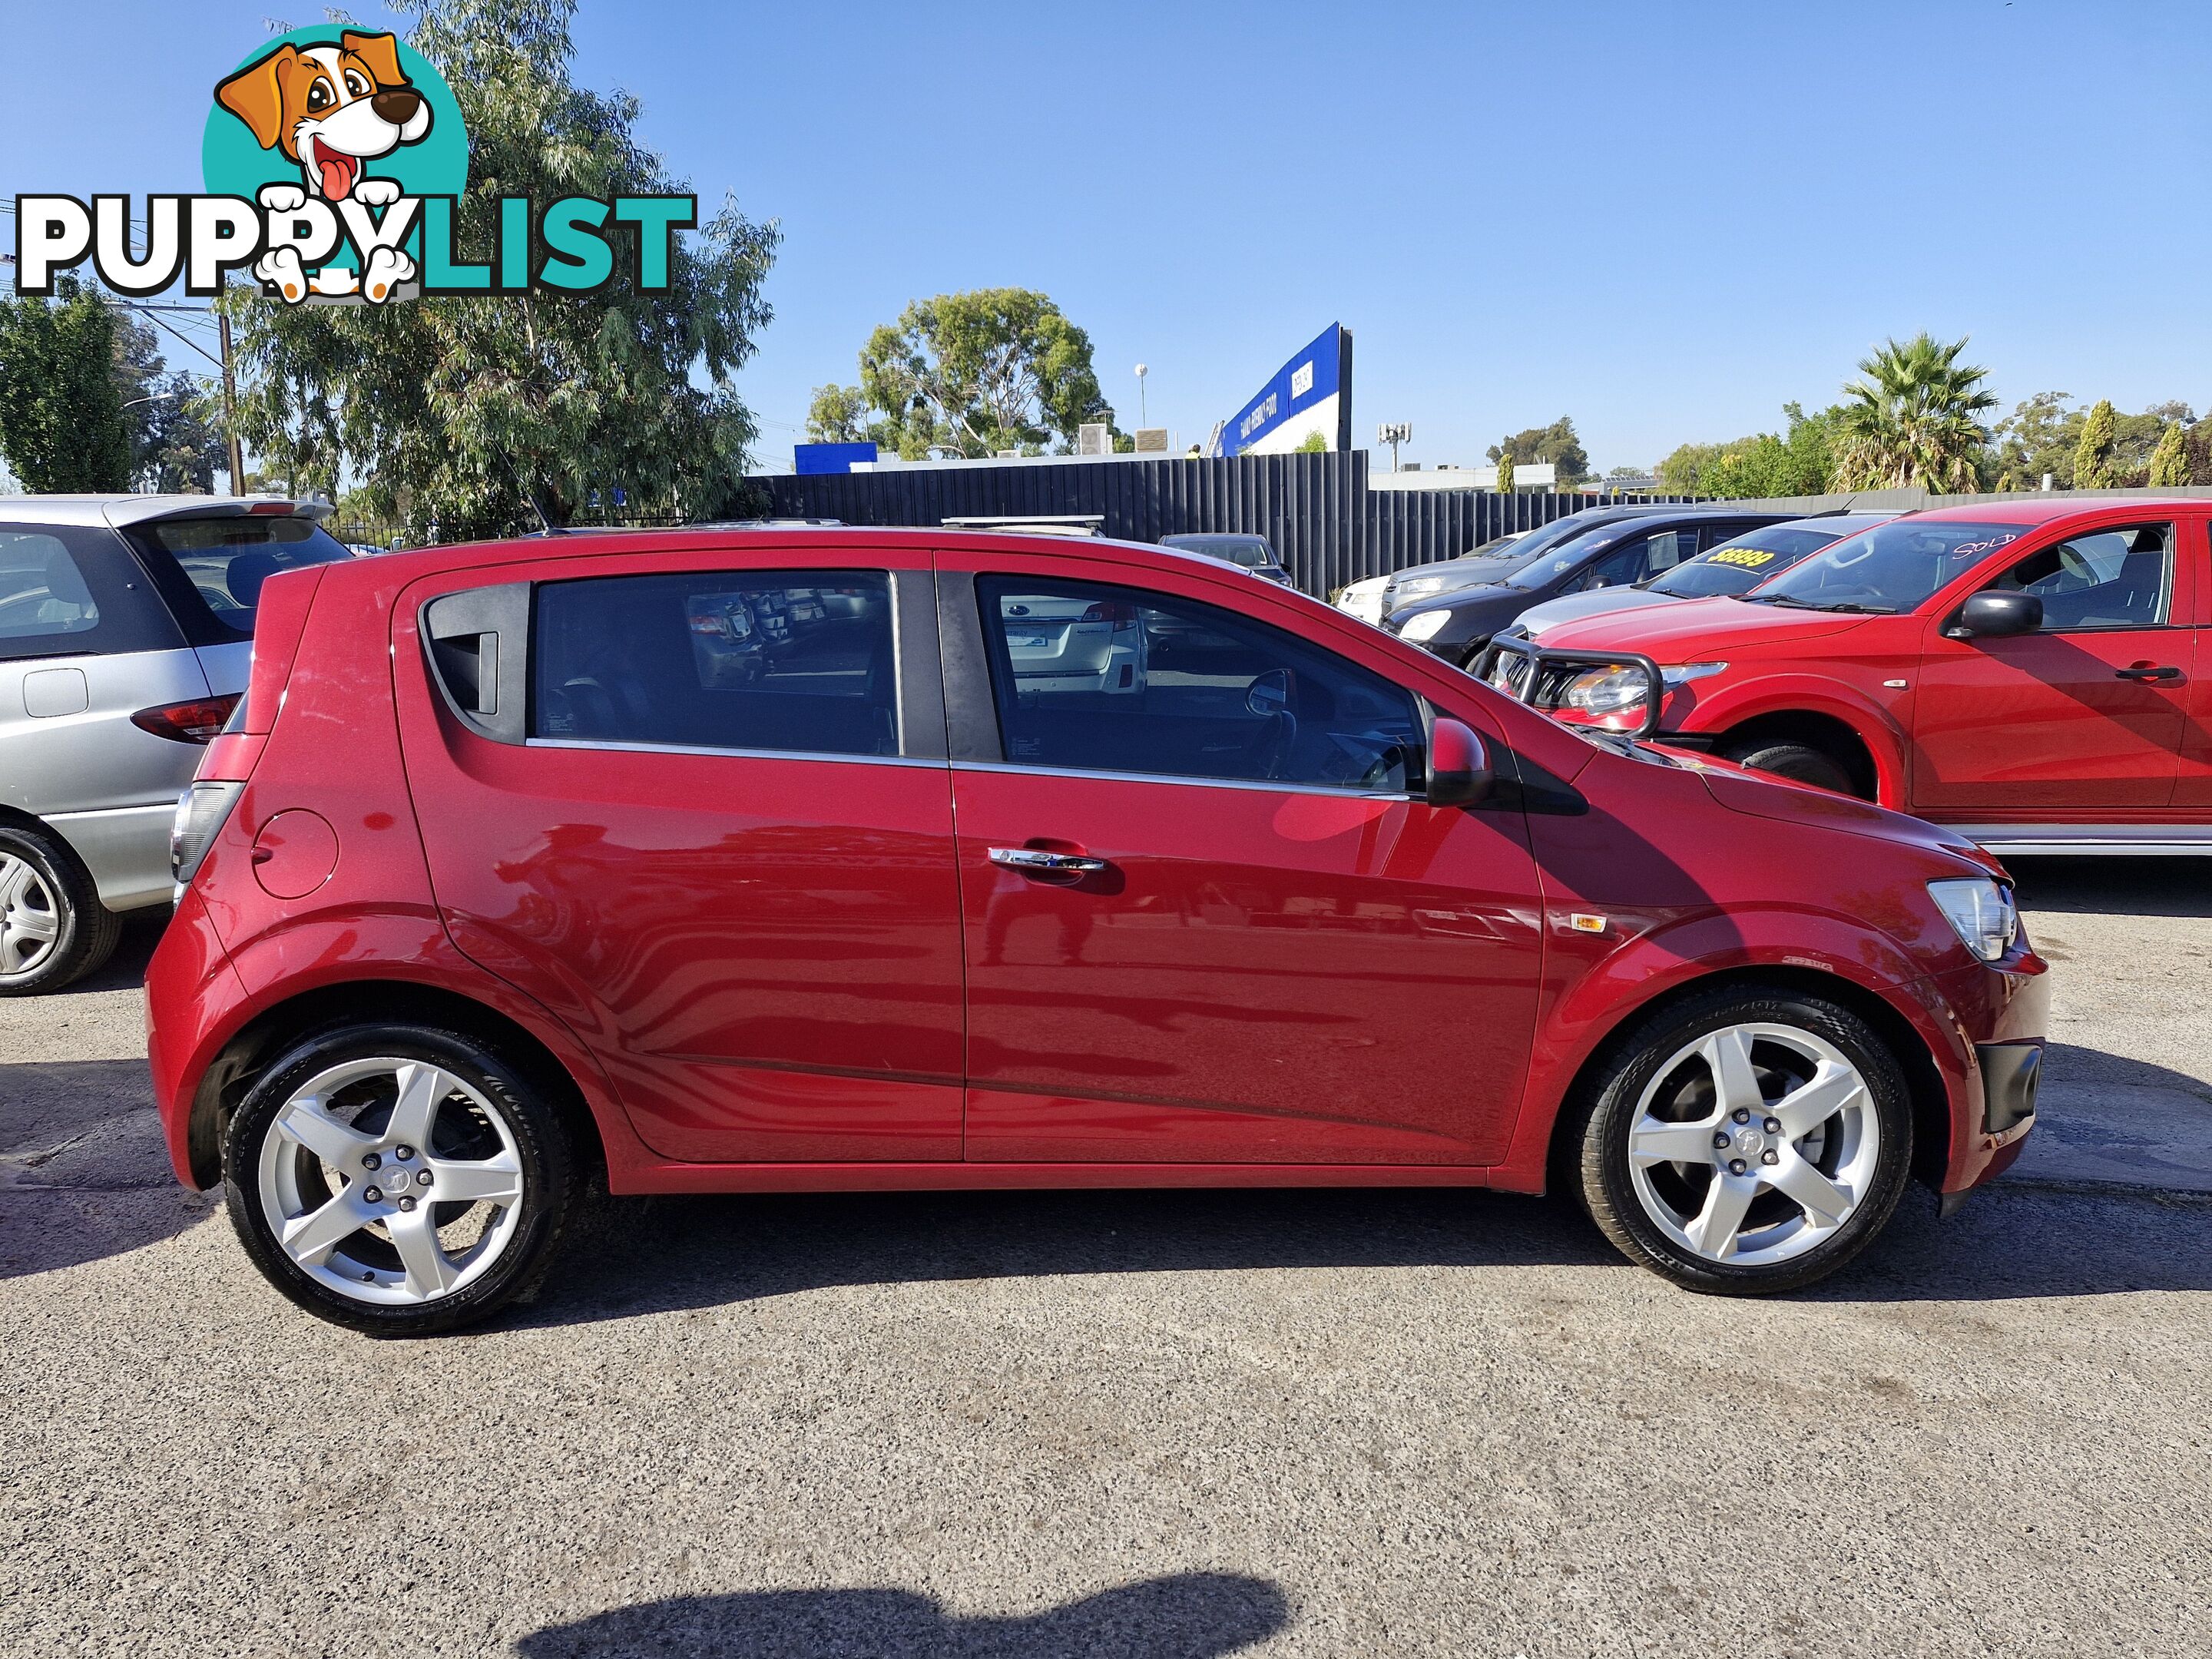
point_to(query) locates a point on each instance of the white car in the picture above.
(1364, 600)
(1058, 644)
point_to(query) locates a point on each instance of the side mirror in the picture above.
(1459, 766)
(1994, 614)
(1270, 694)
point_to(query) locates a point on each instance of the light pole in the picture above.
(150, 397)
(1401, 432)
(1141, 372)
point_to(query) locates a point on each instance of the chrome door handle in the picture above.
(1035, 858)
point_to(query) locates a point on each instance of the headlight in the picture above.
(1421, 585)
(1605, 690)
(1981, 912)
(1427, 626)
(200, 812)
(1609, 690)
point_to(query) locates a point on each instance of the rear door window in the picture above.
(786, 662)
(66, 591)
(212, 568)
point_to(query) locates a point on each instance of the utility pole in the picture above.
(1399, 433)
(1142, 370)
(230, 405)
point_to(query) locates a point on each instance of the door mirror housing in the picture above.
(1994, 614)
(1459, 765)
(1270, 694)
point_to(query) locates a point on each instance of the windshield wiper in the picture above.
(1850, 606)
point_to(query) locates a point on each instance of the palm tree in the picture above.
(1913, 421)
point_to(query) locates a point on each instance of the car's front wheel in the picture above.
(398, 1180)
(1748, 1141)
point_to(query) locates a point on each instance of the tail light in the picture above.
(1112, 610)
(201, 811)
(198, 721)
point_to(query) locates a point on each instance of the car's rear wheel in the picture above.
(398, 1180)
(53, 928)
(1748, 1141)
(1799, 762)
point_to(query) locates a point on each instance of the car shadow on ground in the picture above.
(2119, 886)
(634, 1256)
(84, 1170)
(1188, 1616)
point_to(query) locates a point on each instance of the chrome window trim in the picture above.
(1171, 777)
(730, 754)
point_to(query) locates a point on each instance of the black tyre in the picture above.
(53, 928)
(398, 1180)
(1800, 763)
(1746, 1141)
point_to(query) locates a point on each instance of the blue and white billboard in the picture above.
(1310, 393)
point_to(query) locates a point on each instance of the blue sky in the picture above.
(1664, 220)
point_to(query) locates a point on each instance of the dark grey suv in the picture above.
(126, 630)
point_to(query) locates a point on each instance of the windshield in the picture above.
(1554, 561)
(1891, 567)
(1503, 547)
(1739, 566)
(1250, 551)
(227, 559)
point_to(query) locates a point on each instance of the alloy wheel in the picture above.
(1753, 1144)
(30, 919)
(390, 1182)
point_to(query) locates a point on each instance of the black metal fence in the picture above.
(1317, 510)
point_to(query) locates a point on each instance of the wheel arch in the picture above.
(1929, 1099)
(1831, 734)
(231, 1072)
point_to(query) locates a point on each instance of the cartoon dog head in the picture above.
(329, 108)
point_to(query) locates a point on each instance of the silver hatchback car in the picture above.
(127, 630)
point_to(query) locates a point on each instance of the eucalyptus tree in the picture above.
(469, 413)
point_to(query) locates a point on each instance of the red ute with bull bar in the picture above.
(2030, 673)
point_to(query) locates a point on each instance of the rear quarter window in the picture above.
(66, 591)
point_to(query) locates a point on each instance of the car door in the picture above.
(1269, 949)
(1645, 555)
(698, 806)
(2194, 589)
(2085, 713)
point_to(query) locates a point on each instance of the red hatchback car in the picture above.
(797, 860)
(2032, 673)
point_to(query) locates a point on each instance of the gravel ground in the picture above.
(1131, 1425)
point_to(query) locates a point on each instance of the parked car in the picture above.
(1058, 643)
(1736, 566)
(125, 623)
(1625, 547)
(1255, 554)
(1368, 598)
(1488, 562)
(2032, 672)
(1363, 599)
(489, 886)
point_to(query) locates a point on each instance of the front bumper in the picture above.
(2001, 1014)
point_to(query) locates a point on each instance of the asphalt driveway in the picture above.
(1163, 1424)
